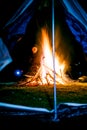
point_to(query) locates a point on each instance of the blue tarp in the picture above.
(5, 57)
(76, 19)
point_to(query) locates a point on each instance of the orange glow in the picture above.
(45, 73)
(34, 50)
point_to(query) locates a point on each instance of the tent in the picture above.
(20, 22)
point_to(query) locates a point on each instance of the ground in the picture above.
(70, 113)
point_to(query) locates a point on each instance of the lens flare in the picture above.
(18, 73)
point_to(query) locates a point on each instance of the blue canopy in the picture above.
(14, 30)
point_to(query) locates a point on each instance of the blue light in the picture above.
(18, 73)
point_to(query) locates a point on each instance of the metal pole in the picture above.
(53, 45)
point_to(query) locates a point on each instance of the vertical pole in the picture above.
(53, 45)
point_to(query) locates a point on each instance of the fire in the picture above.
(45, 72)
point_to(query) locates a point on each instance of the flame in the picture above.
(47, 71)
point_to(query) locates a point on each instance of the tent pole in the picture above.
(53, 46)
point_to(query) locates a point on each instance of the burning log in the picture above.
(45, 73)
(48, 79)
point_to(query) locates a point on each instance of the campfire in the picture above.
(45, 72)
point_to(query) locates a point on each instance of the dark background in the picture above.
(7, 10)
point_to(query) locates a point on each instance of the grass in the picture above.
(43, 96)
